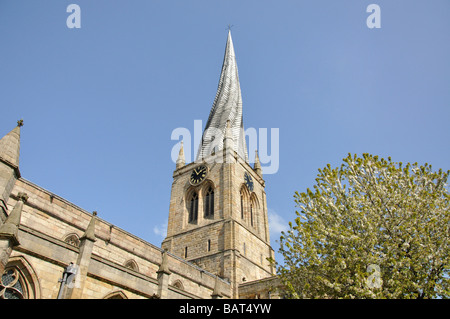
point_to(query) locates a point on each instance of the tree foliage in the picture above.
(371, 228)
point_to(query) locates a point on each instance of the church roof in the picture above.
(10, 145)
(227, 105)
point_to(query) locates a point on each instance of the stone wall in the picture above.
(121, 264)
(268, 288)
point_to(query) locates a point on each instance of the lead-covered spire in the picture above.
(227, 106)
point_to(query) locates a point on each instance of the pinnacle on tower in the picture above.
(257, 166)
(227, 106)
(181, 159)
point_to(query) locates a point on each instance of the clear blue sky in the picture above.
(99, 103)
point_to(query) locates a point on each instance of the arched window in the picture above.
(116, 295)
(193, 208)
(131, 264)
(209, 203)
(245, 204)
(254, 211)
(12, 285)
(242, 205)
(19, 280)
(178, 284)
(73, 240)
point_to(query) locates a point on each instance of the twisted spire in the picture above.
(227, 106)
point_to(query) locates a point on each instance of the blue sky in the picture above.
(99, 103)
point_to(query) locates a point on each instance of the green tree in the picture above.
(371, 228)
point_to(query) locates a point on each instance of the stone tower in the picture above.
(218, 212)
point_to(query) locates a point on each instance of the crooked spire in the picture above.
(10, 145)
(227, 106)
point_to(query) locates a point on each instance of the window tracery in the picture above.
(73, 240)
(12, 285)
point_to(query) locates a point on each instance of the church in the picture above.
(217, 243)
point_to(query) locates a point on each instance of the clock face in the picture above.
(248, 181)
(198, 175)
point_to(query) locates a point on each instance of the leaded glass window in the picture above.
(11, 285)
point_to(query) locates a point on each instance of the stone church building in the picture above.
(217, 241)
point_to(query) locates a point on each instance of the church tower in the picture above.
(218, 211)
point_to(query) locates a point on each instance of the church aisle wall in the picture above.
(120, 262)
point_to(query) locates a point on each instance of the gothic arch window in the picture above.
(253, 210)
(19, 280)
(178, 284)
(131, 264)
(209, 202)
(245, 202)
(72, 239)
(193, 207)
(242, 205)
(11, 285)
(116, 295)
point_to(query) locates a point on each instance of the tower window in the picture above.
(209, 203)
(251, 214)
(193, 208)
(209, 245)
(185, 252)
(242, 205)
